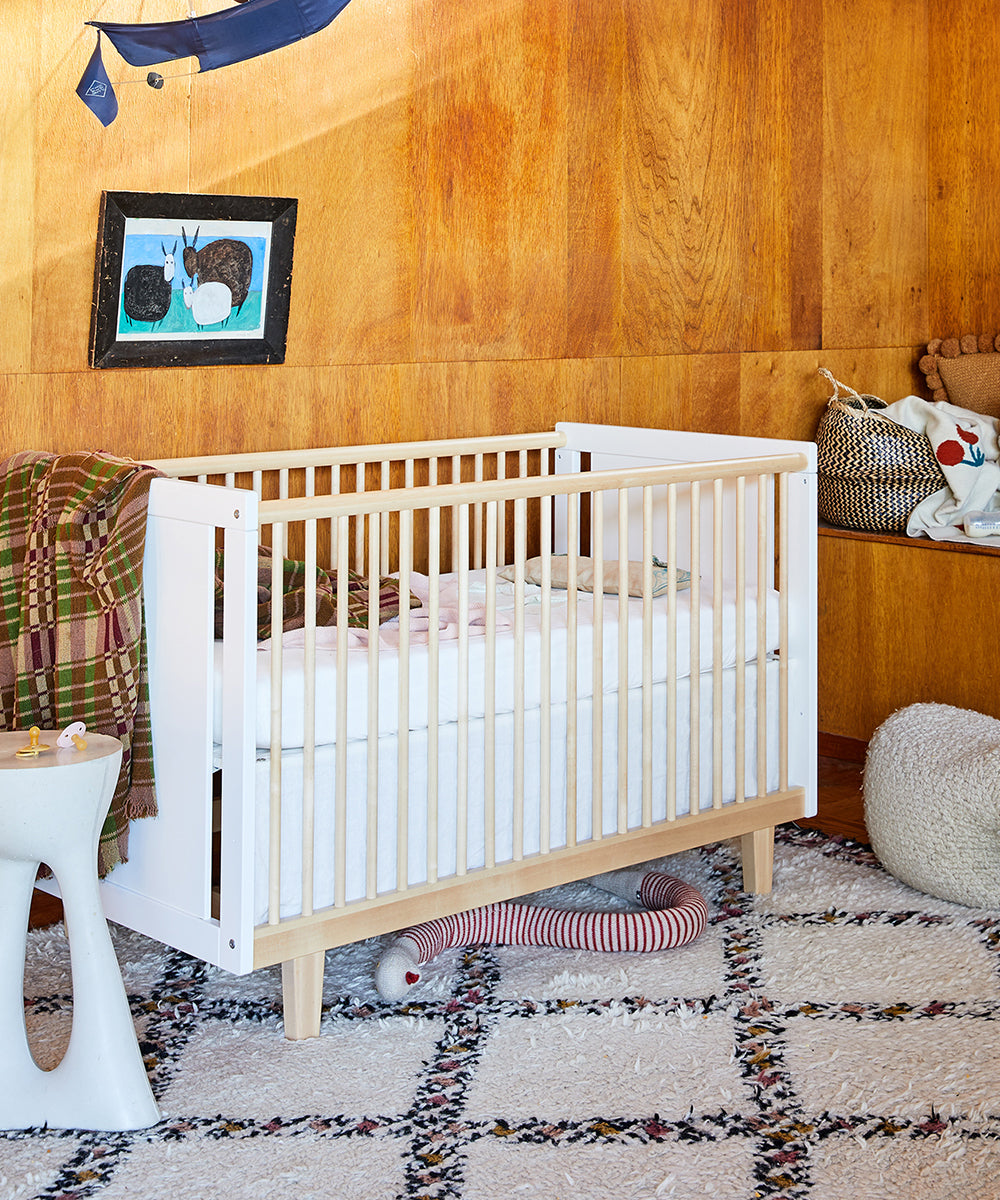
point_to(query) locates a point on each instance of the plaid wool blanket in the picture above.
(72, 646)
(294, 602)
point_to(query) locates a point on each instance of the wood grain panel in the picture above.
(489, 179)
(20, 35)
(682, 391)
(721, 229)
(464, 399)
(681, 211)
(782, 395)
(333, 133)
(875, 173)
(145, 149)
(899, 624)
(595, 171)
(964, 161)
(758, 395)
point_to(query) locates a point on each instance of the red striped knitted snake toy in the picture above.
(675, 913)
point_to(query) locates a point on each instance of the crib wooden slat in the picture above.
(462, 696)
(572, 681)
(783, 654)
(433, 684)
(597, 660)
(274, 806)
(489, 689)
(309, 723)
(340, 814)
(764, 504)
(671, 796)
(403, 703)
(647, 656)
(545, 681)
(520, 534)
(740, 550)
(359, 525)
(694, 720)
(717, 654)
(623, 699)
(371, 820)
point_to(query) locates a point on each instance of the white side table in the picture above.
(52, 808)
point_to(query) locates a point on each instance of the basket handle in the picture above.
(839, 387)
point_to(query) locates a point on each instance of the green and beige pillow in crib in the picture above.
(559, 566)
(964, 371)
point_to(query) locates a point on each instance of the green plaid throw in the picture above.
(294, 604)
(72, 646)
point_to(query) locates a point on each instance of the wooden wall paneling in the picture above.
(901, 624)
(326, 121)
(721, 229)
(758, 395)
(964, 161)
(20, 38)
(804, 209)
(875, 173)
(64, 411)
(681, 208)
(783, 395)
(595, 173)
(144, 149)
(682, 391)
(349, 405)
(19, 409)
(776, 172)
(489, 179)
(470, 399)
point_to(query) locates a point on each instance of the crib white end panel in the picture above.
(165, 889)
(801, 588)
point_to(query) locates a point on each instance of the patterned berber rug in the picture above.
(838, 1039)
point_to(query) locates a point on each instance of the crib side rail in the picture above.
(206, 466)
(570, 525)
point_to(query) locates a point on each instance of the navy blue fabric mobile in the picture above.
(218, 39)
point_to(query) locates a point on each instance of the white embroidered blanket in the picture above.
(965, 445)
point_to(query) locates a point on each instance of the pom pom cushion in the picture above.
(932, 801)
(964, 371)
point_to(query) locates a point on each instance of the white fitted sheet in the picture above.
(507, 788)
(450, 694)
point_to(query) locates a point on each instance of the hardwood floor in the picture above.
(840, 811)
(840, 803)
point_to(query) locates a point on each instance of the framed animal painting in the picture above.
(183, 280)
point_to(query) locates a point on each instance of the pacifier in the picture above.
(72, 735)
(34, 747)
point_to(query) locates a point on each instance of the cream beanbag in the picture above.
(932, 801)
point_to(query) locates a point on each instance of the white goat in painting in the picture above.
(209, 303)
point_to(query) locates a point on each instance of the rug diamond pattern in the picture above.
(838, 1038)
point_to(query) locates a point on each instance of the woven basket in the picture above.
(871, 472)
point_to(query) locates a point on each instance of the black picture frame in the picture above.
(137, 321)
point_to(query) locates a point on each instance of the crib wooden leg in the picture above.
(758, 861)
(302, 995)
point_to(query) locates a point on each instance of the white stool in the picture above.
(52, 808)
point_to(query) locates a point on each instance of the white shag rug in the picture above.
(838, 1039)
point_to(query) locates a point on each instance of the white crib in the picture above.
(505, 736)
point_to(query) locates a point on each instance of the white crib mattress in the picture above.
(468, 691)
(702, 784)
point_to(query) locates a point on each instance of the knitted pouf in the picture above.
(932, 801)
